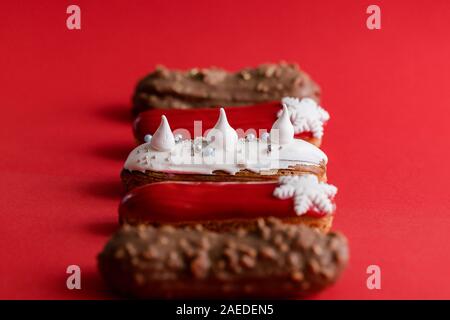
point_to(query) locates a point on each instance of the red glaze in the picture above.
(170, 202)
(257, 117)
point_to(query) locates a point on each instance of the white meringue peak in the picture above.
(222, 136)
(163, 139)
(282, 131)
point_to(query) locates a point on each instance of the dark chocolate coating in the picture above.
(275, 260)
(214, 87)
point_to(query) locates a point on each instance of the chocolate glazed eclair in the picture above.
(274, 260)
(173, 89)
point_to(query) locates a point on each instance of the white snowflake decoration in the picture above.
(309, 194)
(306, 115)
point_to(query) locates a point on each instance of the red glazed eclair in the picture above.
(307, 117)
(221, 156)
(274, 260)
(224, 206)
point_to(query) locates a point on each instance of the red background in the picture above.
(65, 100)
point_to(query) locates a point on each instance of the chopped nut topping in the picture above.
(293, 260)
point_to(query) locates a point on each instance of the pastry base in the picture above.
(133, 179)
(322, 224)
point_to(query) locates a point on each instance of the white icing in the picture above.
(163, 139)
(309, 194)
(306, 115)
(282, 131)
(253, 155)
(222, 135)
